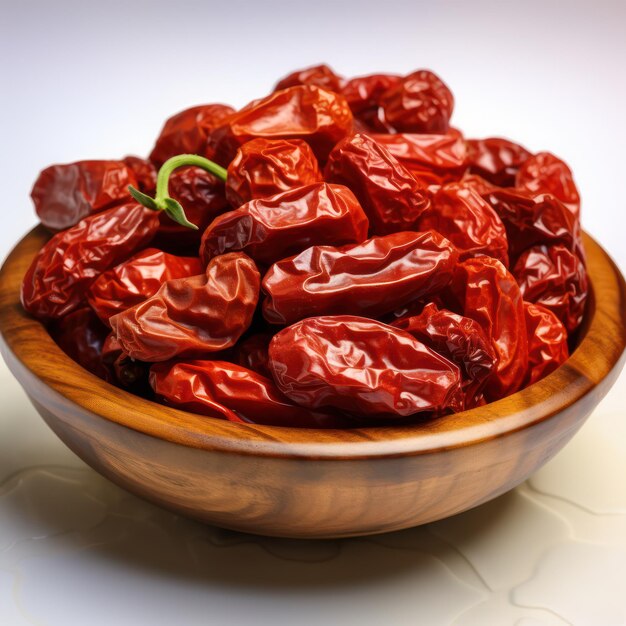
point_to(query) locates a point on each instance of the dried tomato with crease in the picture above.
(319, 117)
(496, 160)
(532, 220)
(362, 366)
(203, 197)
(192, 317)
(69, 263)
(265, 167)
(363, 94)
(124, 371)
(420, 103)
(318, 75)
(459, 339)
(187, 132)
(555, 278)
(390, 196)
(270, 229)
(252, 352)
(144, 171)
(228, 391)
(65, 194)
(545, 173)
(432, 159)
(136, 279)
(547, 342)
(370, 278)
(487, 293)
(468, 221)
(81, 335)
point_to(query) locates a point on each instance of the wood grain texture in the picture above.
(313, 483)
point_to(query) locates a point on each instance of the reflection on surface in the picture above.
(74, 545)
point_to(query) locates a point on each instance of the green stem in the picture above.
(184, 160)
(162, 200)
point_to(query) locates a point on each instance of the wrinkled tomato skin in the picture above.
(68, 264)
(136, 279)
(187, 132)
(319, 117)
(228, 391)
(265, 167)
(486, 292)
(191, 317)
(547, 342)
(65, 194)
(496, 160)
(372, 278)
(363, 366)
(391, 197)
(555, 278)
(270, 229)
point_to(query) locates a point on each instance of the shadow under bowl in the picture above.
(292, 482)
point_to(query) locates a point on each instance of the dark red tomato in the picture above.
(545, 173)
(319, 117)
(318, 75)
(363, 367)
(486, 292)
(187, 132)
(265, 167)
(496, 160)
(468, 221)
(555, 278)
(432, 159)
(228, 391)
(420, 103)
(136, 279)
(65, 194)
(80, 334)
(547, 342)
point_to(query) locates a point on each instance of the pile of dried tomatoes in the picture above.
(334, 254)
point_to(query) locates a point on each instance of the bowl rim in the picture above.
(600, 352)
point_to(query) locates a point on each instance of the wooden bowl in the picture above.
(313, 483)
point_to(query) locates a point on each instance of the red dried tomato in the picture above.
(136, 279)
(265, 167)
(555, 278)
(496, 160)
(370, 278)
(390, 196)
(187, 132)
(361, 366)
(68, 264)
(547, 342)
(273, 228)
(420, 103)
(65, 194)
(190, 317)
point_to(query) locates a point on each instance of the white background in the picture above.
(96, 80)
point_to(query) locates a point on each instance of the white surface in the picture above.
(96, 80)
